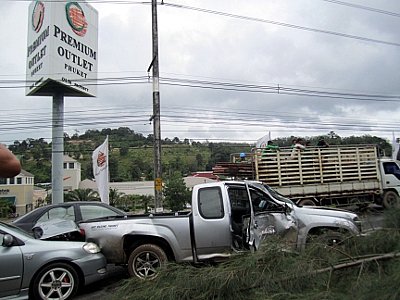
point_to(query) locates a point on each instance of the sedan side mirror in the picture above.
(8, 240)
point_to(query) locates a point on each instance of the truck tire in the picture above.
(331, 238)
(306, 202)
(145, 260)
(391, 200)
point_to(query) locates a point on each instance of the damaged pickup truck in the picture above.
(226, 217)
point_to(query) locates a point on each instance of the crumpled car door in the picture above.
(268, 218)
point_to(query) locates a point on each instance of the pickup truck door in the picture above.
(211, 223)
(268, 218)
(245, 222)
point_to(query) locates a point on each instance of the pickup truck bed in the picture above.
(173, 227)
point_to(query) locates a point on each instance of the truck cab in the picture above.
(240, 215)
(390, 176)
(253, 212)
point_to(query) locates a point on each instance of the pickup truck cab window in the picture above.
(262, 202)
(210, 203)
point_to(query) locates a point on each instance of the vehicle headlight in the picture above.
(91, 248)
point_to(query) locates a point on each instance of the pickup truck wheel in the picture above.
(333, 239)
(145, 261)
(391, 200)
(307, 202)
(329, 238)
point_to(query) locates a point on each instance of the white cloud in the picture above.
(211, 47)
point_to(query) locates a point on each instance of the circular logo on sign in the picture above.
(38, 16)
(76, 18)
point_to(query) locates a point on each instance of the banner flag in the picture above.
(262, 142)
(100, 170)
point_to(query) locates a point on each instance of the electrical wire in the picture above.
(224, 86)
(376, 10)
(288, 25)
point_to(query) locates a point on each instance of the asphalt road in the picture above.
(104, 288)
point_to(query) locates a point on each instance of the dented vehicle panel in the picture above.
(54, 228)
(226, 217)
(313, 219)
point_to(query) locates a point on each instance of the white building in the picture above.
(72, 174)
(18, 191)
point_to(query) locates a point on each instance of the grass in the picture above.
(362, 268)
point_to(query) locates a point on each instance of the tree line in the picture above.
(131, 153)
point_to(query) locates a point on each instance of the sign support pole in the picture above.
(57, 158)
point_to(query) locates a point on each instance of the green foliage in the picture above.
(131, 154)
(176, 194)
(115, 197)
(366, 267)
(6, 208)
(333, 139)
(81, 195)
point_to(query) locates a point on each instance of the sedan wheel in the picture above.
(56, 281)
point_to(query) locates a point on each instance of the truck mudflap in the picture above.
(271, 224)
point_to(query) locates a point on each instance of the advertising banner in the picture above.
(100, 170)
(62, 49)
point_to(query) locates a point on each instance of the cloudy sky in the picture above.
(230, 70)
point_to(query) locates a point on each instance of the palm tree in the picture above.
(115, 197)
(82, 195)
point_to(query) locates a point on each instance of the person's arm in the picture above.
(9, 164)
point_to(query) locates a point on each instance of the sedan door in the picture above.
(11, 268)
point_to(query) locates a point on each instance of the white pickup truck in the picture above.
(226, 217)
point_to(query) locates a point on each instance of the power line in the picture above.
(248, 18)
(224, 86)
(220, 13)
(376, 10)
(213, 120)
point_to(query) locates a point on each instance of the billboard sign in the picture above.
(62, 49)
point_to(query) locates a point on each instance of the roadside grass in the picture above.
(365, 267)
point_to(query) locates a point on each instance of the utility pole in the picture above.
(57, 160)
(156, 112)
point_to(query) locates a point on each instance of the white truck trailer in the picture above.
(336, 175)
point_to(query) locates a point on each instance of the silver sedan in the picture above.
(38, 269)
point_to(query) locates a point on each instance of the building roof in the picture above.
(24, 173)
(67, 158)
(205, 174)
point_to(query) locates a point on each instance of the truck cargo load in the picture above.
(336, 175)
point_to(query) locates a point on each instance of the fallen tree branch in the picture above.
(357, 262)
